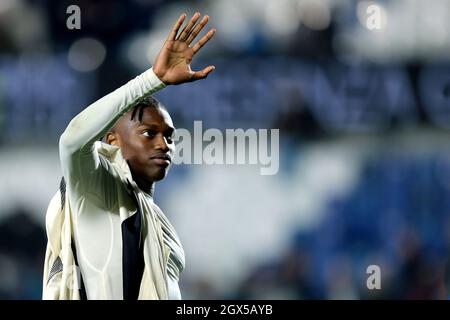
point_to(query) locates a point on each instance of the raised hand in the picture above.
(173, 63)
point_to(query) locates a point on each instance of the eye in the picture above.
(170, 136)
(169, 139)
(148, 133)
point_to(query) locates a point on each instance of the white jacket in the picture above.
(101, 201)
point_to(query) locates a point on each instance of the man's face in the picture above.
(147, 146)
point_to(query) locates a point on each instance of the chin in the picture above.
(159, 175)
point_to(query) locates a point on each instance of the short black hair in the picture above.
(148, 101)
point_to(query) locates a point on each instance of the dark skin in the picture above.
(147, 146)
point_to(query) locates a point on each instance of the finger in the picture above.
(184, 34)
(203, 40)
(202, 74)
(176, 27)
(197, 30)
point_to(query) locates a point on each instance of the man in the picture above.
(107, 239)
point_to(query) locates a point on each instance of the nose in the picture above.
(161, 144)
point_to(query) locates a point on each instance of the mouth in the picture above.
(161, 159)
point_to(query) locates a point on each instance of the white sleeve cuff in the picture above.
(154, 82)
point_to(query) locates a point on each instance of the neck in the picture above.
(143, 184)
(146, 186)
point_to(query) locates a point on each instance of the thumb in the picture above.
(202, 74)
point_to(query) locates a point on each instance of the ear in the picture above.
(112, 138)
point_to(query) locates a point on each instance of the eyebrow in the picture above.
(155, 127)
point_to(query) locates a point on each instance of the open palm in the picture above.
(173, 63)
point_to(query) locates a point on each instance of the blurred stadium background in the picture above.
(364, 119)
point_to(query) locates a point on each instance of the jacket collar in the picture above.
(114, 155)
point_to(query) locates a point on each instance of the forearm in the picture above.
(95, 121)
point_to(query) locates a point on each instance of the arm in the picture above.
(172, 66)
(93, 122)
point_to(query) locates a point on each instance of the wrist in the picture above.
(153, 78)
(159, 74)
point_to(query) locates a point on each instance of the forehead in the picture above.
(154, 116)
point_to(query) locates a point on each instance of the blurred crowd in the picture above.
(396, 218)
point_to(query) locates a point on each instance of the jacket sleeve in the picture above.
(79, 162)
